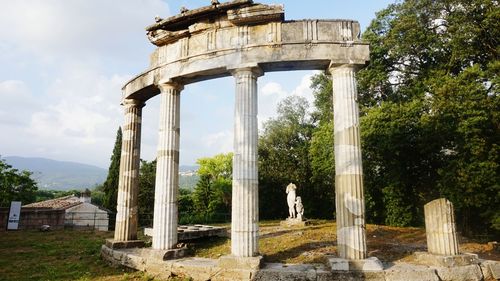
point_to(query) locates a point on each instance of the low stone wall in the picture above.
(213, 269)
(33, 218)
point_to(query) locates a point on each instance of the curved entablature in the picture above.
(209, 42)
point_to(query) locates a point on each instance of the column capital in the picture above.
(170, 85)
(252, 70)
(335, 67)
(133, 103)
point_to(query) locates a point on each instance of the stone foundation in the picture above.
(252, 268)
(113, 244)
(369, 264)
(445, 261)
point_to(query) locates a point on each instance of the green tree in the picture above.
(466, 113)
(110, 186)
(16, 185)
(321, 147)
(146, 199)
(400, 172)
(212, 194)
(430, 110)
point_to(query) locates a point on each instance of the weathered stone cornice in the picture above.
(183, 20)
(235, 13)
(256, 14)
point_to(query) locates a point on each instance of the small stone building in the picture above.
(79, 211)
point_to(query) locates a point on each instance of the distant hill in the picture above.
(188, 168)
(59, 175)
(62, 175)
(188, 176)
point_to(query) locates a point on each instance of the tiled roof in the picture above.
(57, 203)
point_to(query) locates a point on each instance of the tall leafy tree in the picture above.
(16, 185)
(110, 186)
(429, 102)
(146, 197)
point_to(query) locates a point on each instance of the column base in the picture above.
(446, 261)
(114, 244)
(233, 262)
(369, 264)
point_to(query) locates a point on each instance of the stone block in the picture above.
(107, 255)
(234, 275)
(170, 254)
(369, 264)
(485, 269)
(358, 275)
(133, 261)
(113, 244)
(117, 255)
(195, 268)
(233, 262)
(410, 272)
(284, 272)
(460, 273)
(294, 223)
(159, 268)
(490, 269)
(446, 261)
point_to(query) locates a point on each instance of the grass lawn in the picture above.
(310, 244)
(57, 255)
(74, 254)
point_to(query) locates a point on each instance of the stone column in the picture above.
(245, 194)
(350, 207)
(440, 228)
(128, 183)
(167, 169)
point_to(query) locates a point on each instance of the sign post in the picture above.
(14, 215)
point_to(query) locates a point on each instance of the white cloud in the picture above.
(304, 89)
(66, 62)
(272, 93)
(219, 142)
(57, 28)
(17, 103)
(79, 109)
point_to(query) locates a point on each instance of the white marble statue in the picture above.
(299, 207)
(290, 199)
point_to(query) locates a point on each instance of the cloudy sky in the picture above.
(63, 62)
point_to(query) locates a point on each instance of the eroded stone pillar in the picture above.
(440, 228)
(167, 169)
(128, 183)
(350, 207)
(245, 205)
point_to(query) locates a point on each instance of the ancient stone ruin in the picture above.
(442, 240)
(244, 40)
(440, 228)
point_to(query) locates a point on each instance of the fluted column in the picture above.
(167, 169)
(245, 195)
(440, 228)
(128, 183)
(350, 207)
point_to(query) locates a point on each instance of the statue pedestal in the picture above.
(294, 222)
